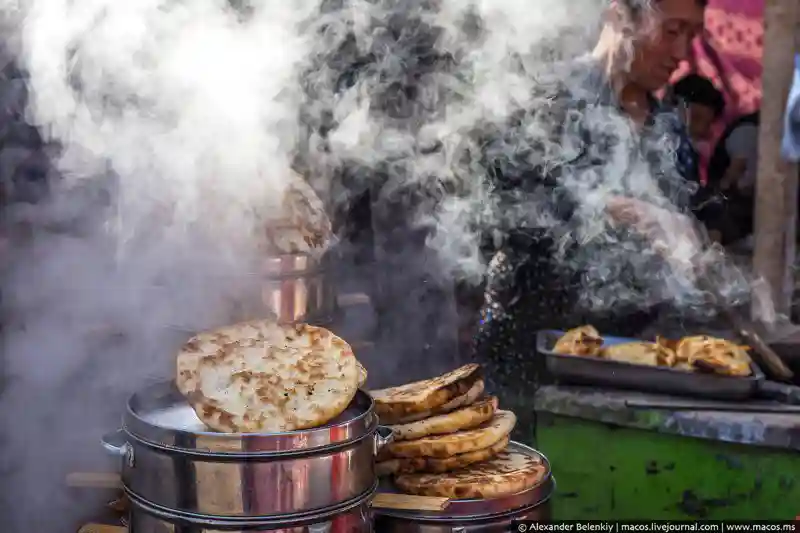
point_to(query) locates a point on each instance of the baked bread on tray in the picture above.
(699, 353)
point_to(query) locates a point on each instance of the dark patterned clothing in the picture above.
(540, 277)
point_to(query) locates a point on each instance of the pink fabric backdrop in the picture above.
(730, 55)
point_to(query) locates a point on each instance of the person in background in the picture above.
(732, 174)
(528, 288)
(702, 103)
(790, 145)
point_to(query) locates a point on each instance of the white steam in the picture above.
(176, 123)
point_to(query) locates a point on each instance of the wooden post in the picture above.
(776, 187)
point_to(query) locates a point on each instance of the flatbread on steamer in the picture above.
(362, 375)
(260, 377)
(469, 398)
(465, 418)
(439, 465)
(509, 472)
(302, 224)
(397, 403)
(483, 436)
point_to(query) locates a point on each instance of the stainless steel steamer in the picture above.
(176, 471)
(476, 516)
(298, 288)
(351, 518)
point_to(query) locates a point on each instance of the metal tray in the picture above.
(479, 509)
(602, 372)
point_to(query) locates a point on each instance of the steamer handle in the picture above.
(383, 436)
(116, 443)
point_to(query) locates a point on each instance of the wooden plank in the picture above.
(102, 528)
(407, 502)
(94, 480)
(776, 184)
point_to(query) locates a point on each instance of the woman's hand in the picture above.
(671, 234)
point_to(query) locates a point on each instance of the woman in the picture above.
(537, 280)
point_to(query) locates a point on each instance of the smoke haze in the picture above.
(173, 127)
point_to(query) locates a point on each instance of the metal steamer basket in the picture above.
(178, 473)
(351, 518)
(298, 288)
(475, 516)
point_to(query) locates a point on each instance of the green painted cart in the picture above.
(612, 461)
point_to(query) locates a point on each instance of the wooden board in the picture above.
(94, 480)
(407, 502)
(102, 528)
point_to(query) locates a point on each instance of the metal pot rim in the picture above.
(357, 422)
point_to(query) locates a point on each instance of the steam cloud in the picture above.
(175, 124)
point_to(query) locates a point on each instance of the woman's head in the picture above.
(648, 39)
(705, 104)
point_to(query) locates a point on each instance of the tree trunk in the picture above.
(776, 188)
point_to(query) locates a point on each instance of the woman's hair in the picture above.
(697, 89)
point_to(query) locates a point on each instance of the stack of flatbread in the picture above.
(262, 377)
(509, 472)
(441, 424)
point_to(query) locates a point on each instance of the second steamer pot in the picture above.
(495, 515)
(171, 461)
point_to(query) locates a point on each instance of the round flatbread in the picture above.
(261, 377)
(483, 436)
(434, 465)
(465, 418)
(640, 353)
(302, 225)
(585, 341)
(362, 375)
(475, 392)
(715, 355)
(397, 403)
(508, 473)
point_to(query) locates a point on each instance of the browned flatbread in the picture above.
(640, 353)
(397, 403)
(302, 224)
(685, 366)
(261, 377)
(436, 465)
(508, 473)
(714, 355)
(483, 436)
(585, 341)
(362, 375)
(469, 398)
(465, 418)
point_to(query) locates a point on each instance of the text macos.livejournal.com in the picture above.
(663, 526)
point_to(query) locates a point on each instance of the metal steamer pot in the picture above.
(351, 518)
(476, 516)
(298, 288)
(180, 477)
